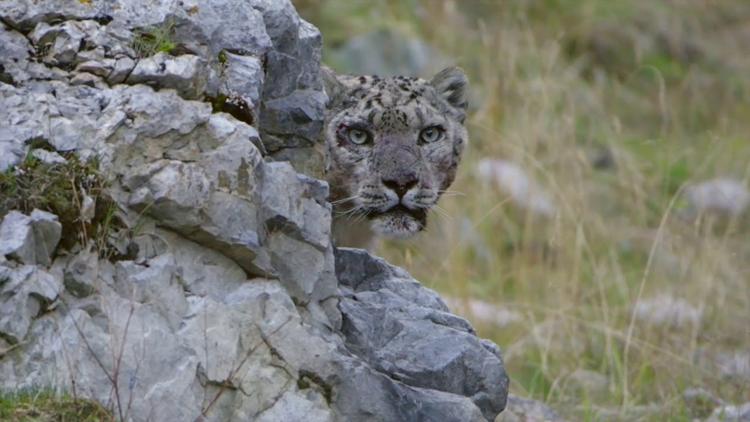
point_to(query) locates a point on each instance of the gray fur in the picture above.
(385, 163)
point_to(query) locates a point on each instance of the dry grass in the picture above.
(664, 89)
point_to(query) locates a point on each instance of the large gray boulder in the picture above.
(218, 295)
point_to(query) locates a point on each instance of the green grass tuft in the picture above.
(46, 406)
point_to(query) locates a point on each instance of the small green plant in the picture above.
(46, 406)
(222, 57)
(158, 39)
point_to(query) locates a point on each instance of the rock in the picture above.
(734, 365)
(484, 312)
(241, 79)
(309, 406)
(121, 69)
(48, 157)
(153, 283)
(730, 413)
(386, 52)
(726, 197)
(61, 43)
(513, 181)
(423, 345)
(81, 274)
(667, 311)
(101, 68)
(87, 79)
(187, 73)
(700, 402)
(526, 410)
(296, 116)
(30, 239)
(14, 53)
(589, 382)
(25, 292)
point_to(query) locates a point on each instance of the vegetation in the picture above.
(159, 39)
(615, 106)
(46, 406)
(70, 190)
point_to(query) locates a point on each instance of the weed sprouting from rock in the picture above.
(159, 39)
(75, 191)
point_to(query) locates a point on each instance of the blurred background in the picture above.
(598, 230)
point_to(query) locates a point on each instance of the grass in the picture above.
(64, 190)
(662, 88)
(159, 39)
(45, 406)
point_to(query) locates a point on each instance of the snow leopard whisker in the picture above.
(351, 198)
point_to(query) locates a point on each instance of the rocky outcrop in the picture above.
(218, 295)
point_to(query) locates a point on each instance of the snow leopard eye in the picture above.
(431, 134)
(358, 136)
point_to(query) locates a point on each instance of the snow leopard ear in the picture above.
(333, 86)
(451, 83)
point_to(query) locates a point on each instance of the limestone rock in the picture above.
(30, 239)
(81, 273)
(48, 157)
(405, 330)
(24, 292)
(242, 78)
(187, 73)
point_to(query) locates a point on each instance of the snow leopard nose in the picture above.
(401, 186)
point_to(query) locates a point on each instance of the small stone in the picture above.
(667, 311)
(88, 208)
(734, 365)
(591, 382)
(48, 157)
(30, 239)
(725, 197)
(81, 273)
(511, 179)
(526, 410)
(122, 68)
(99, 68)
(26, 291)
(740, 413)
(482, 311)
(87, 79)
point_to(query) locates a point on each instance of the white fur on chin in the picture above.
(396, 227)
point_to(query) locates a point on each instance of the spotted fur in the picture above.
(393, 146)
